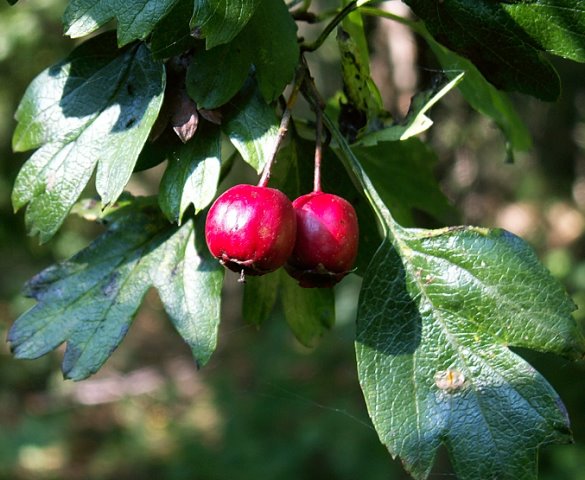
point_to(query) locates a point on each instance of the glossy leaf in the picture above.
(252, 127)
(436, 318)
(556, 26)
(219, 21)
(96, 108)
(89, 301)
(135, 20)
(192, 174)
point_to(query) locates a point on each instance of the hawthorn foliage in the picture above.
(202, 85)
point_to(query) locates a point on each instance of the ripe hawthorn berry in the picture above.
(251, 229)
(327, 240)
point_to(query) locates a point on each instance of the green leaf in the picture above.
(506, 51)
(225, 62)
(482, 95)
(219, 21)
(172, 35)
(192, 174)
(436, 318)
(135, 19)
(400, 172)
(309, 312)
(89, 301)
(189, 283)
(95, 108)
(271, 42)
(252, 127)
(416, 121)
(267, 45)
(556, 26)
(260, 297)
(362, 109)
(438, 312)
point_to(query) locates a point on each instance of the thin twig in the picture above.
(311, 47)
(283, 128)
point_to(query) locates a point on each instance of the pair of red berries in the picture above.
(255, 230)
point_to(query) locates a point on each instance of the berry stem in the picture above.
(387, 223)
(318, 150)
(283, 128)
(311, 93)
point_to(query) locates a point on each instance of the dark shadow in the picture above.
(389, 319)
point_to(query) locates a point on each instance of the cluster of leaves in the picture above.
(196, 83)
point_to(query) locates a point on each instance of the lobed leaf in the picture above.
(438, 313)
(89, 301)
(436, 318)
(136, 19)
(189, 283)
(96, 108)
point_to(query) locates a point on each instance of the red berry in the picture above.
(327, 240)
(251, 229)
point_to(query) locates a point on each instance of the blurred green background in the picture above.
(265, 407)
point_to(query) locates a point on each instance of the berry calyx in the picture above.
(251, 229)
(327, 240)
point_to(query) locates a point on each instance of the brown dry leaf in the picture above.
(185, 118)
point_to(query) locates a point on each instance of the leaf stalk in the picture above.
(311, 47)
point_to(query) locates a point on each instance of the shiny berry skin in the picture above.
(327, 240)
(250, 229)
